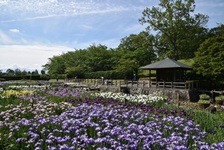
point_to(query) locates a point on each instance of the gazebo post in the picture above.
(174, 75)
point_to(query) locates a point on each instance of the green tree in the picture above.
(55, 65)
(142, 45)
(126, 65)
(75, 63)
(18, 72)
(35, 72)
(10, 72)
(24, 74)
(99, 58)
(178, 33)
(209, 58)
(42, 72)
(135, 51)
(219, 30)
(75, 71)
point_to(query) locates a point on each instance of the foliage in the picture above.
(99, 58)
(179, 34)
(79, 62)
(203, 101)
(219, 30)
(56, 65)
(75, 71)
(188, 62)
(110, 74)
(219, 98)
(209, 58)
(18, 74)
(142, 46)
(135, 51)
(204, 96)
(210, 123)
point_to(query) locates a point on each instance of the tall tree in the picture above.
(178, 33)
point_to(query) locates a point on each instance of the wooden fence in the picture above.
(141, 83)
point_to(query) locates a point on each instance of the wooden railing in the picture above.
(141, 83)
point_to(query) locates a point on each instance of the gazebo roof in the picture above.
(165, 64)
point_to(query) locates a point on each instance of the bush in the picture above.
(204, 96)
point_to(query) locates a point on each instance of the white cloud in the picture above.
(3, 2)
(5, 38)
(8, 39)
(14, 30)
(42, 9)
(30, 57)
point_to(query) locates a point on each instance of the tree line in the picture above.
(18, 74)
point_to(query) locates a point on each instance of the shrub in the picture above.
(204, 96)
(204, 102)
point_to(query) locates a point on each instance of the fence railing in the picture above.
(128, 83)
(140, 83)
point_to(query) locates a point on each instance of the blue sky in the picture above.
(31, 31)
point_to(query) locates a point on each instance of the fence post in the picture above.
(178, 100)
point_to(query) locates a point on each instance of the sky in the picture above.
(32, 31)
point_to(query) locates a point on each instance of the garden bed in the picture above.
(68, 118)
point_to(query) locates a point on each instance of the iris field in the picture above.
(68, 118)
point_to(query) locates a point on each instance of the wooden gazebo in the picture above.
(168, 71)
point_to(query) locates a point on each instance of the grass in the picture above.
(211, 123)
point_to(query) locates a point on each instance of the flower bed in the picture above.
(106, 127)
(15, 93)
(64, 92)
(102, 122)
(144, 99)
